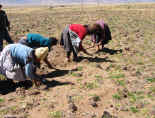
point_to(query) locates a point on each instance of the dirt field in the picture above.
(117, 82)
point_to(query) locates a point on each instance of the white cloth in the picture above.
(8, 67)
(75, 40)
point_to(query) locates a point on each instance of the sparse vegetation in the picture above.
(56, 114)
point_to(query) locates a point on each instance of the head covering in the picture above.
(41, 53)
(101, 23)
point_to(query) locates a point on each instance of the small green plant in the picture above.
(91, 85)
(116, 96)
(1, 100)
(133, 97)
(80, 68)
(56, 114)
(117, 76)
(151, 80)
(76, 74)
(121, 82)
(97, 98)
(98, 77)
(79, 80)
(134, 109)
(145, 111)
(152, 89)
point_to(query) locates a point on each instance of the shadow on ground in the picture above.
(95, 59)
(57, 73)
(54, 83)
(110, 51)
(9, 86)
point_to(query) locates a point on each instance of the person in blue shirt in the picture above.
(34, 40)
(19, 62)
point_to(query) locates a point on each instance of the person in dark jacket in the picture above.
(103, 36)
(34, 41)
(4, 28)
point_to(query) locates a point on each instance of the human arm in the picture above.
(30, 72)
(48, 63)
(84, 50)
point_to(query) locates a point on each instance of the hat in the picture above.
(41, 53)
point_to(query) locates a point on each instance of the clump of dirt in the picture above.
(107, 115)
(21, 91)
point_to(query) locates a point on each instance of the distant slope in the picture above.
(12, 2)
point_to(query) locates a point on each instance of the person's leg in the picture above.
(1, 44)
(1, 40)
(75, 57)
(7, 37)
(61, 41)
(68, 55)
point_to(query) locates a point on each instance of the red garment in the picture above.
(80, 30)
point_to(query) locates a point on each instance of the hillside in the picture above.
(38, 2)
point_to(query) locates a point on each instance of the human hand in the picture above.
(37, 83)
(9, 28)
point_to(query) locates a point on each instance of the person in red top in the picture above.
(72, 36)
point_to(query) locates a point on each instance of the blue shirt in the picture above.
(37, 40)
(20, 54)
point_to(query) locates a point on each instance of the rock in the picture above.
(99, 66)
(125, 68)
(140, 105)
(94, 104)
(79, 74)
(16, 116)
(20, 91)
(107, 115)
(94, 116)
(34, 93)
(73, 107)
(69, 99)
(124, 108)
(127, 49)
(96, 98)
(111, 106)
(153, 112)
(10, 116)
(93, 101)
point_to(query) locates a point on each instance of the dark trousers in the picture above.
(4, 35)
(74, 54)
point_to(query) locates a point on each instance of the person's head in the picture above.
(41, 53)
(53, 41)
(37, 55)
(1, 6)
(94, 28)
